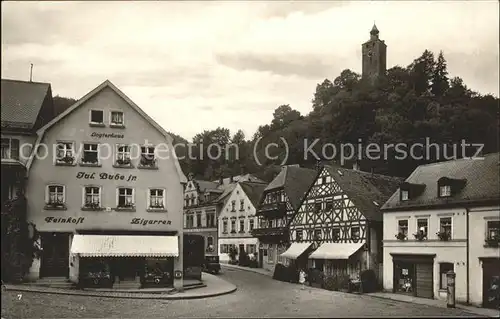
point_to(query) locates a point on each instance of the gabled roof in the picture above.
(107, 84)
(481, 183)
(367, 191)
(253, 191)
(22, 102)
(241, 178)
(295, 180)
(226, 191)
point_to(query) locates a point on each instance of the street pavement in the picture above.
(257, 296)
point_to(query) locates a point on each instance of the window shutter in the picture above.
(46, 194)
(148, 198)
(64, 193)
(117, 196)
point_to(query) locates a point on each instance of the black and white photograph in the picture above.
(250, 159)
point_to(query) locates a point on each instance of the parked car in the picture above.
(212, 264)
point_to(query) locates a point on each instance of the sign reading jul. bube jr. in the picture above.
(116, 176)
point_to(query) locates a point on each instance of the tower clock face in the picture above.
(370, 53)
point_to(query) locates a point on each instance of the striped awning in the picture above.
(295, 250)
(336, 250)
(125, 246)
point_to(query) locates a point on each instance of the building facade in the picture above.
(238, 218)
(279, 203)
(105, 190)
(445, 217)
(340, 219)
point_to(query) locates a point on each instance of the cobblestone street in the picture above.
(257, 296)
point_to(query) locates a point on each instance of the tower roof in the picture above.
(374, 30)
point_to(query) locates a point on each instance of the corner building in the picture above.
(105, 189)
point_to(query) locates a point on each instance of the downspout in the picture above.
(467, 251)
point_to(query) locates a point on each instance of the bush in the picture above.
(253, 263)
(232, 254)
(344, 282)
(243, 258)
(368, 281)
(331, 283)
(315, 277)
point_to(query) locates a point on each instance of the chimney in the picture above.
(355, 166)
(221, 180)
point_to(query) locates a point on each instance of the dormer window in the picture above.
(405, 195)
(445, 191)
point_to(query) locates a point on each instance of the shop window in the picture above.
(270, 255)
(404, 274)
(443, 270)
(251, 249)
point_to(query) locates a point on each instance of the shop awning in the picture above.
(336, 250)
(295, 250)
(125, 246)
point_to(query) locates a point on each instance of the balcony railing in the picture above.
(273, 210)
(271, 231)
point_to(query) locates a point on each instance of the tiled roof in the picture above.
(22, 101)
(240, 178)
(254, 191)
(207, 186)
(480, 175)
(295, 180)
(367, 191)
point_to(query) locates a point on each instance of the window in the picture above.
(445, 191)
(189, 221)
(251, 224)
(242, 204)
(336, 234)
(224, 227)
(233, 206)
(147, 156)
(233, 226)
(64, 152)
(355, 233)
(323, 180)
(422, 227)
(299, 235)
(317, 234)
(116, 118)
(198, 220)
(493, 230)
(96, 117)
(90, 153)
(329, 205)
(242, 225)
(251, 249)
(317, 207)
(55, 195)
(445, 228)
(210, 243)
(403, 227)
(9, 148)
(210, 219)
(443, 269)
(125, 197)
(223, 248)
(92, 196)
(123, 155)
(270, 255)
(157, 198)
(404, 195)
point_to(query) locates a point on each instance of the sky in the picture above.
(195, 66)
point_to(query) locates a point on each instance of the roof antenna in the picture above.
(31, 73)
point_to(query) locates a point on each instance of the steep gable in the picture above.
(253, 191)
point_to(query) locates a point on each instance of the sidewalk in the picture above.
(215, 286)
(435, 303)
(255, 270)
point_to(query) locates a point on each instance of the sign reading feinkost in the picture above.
(65, 220)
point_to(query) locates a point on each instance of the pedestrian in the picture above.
(302, 278)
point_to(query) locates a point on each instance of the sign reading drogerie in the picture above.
(104, 135)
(108, 176)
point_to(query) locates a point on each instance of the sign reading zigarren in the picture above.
(144, 222)
(116, 177)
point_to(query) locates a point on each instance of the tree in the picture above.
(347, 79)
(324, 94)
(62, 103)
(422, 70)
(284, 115)
(440, 82)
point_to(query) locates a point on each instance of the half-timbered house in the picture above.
(279, 202)
(340, 218)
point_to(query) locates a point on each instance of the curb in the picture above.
(457, 306)
(246, 269)
(165, 296)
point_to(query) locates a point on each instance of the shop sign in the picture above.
(108, 135)
(108, 176)
(144, 222)
(64, 220)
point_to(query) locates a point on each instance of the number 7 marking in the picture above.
(19, 296)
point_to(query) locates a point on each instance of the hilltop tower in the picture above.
(374, 56)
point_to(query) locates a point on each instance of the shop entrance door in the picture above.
(127, 268)
(55, 255)
(491, 283)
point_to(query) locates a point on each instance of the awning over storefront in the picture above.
(295, 250)
(336, 250)
(125, 246)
